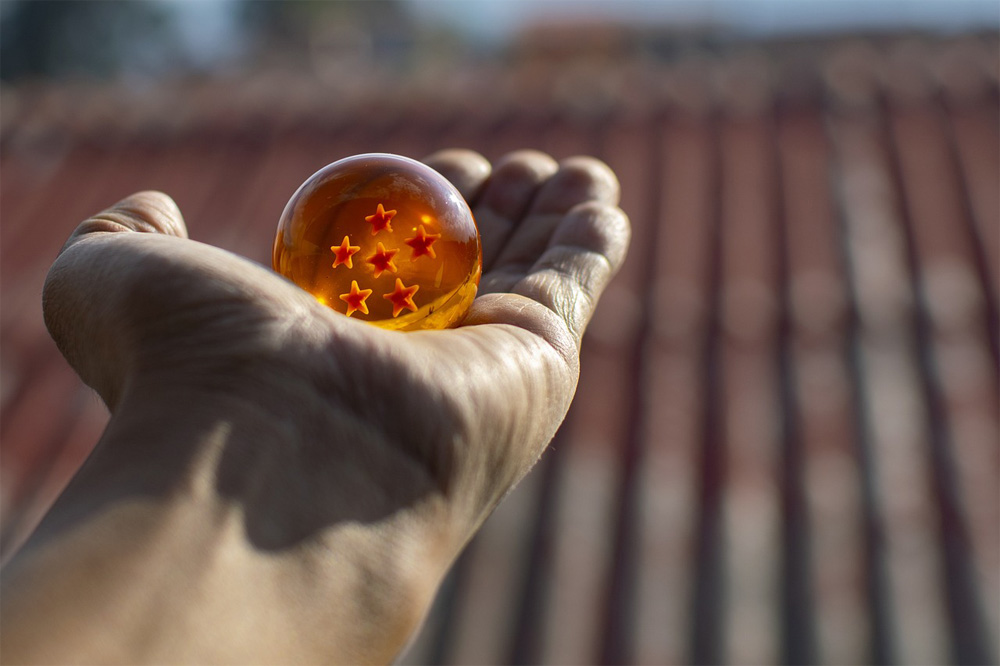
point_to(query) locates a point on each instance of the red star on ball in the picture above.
(342, 254)
(380, 220)
(355, 299)
(422, 242)
(382, 260)
(402, 297)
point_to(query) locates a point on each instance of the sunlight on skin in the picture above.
(257, 435)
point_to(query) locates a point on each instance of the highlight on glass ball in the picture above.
(384, 239)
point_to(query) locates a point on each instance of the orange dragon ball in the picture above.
(383, 239)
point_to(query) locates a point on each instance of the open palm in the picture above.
(339, 446)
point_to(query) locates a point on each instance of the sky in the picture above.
(210, 37)
(492, 21)
(496, 19)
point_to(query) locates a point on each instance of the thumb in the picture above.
(145, 212)
(79, 300)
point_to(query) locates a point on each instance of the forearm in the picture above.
(175, 575)
(140, 584)
(110, 587)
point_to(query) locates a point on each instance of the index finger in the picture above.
(467, 170)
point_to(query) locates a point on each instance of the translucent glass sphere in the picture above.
(384, 239)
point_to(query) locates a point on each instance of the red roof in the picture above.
(784, 446)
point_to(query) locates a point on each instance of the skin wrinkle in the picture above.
(358, 461)
(571, 307)
(91, 349)
(509, 430)
(545, 286)
(373, 430)
(425, 395)
(530, 316)
(336, 393)
(137, 301)
(154, 216)
(483, 395)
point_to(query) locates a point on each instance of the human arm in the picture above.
(279, 483)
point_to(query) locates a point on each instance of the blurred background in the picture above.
(784, 447)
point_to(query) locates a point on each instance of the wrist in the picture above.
(204, 507)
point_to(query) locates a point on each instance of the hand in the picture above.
(278, 481)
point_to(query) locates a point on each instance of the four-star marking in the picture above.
(402, 296)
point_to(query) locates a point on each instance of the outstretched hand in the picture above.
(300, 477)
